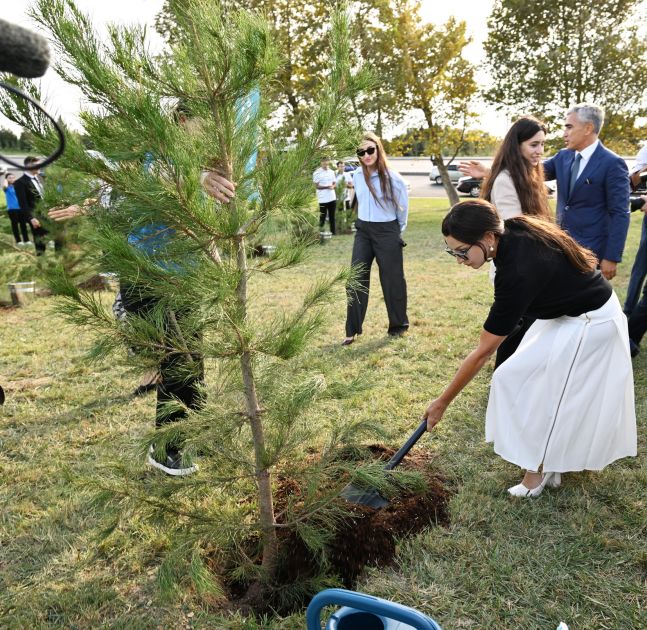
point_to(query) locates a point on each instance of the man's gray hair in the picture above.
(586, 112)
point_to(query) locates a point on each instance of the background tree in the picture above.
(547, 55)
(373, 27)
(435, 79)
(254, 424)
(8, 139)
(300, 31)
(473, 142)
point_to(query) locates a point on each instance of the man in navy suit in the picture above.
(29, 192)
(592, 188)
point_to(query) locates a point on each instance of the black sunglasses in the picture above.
(369, 151)
(463, 254)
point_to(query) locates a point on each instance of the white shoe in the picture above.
(173, 465)
(521, 491)
(555, 480)
(20, 244)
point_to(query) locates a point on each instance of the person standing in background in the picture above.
(18, 223)
(345, 189)
(592, 187)
(516, 187)
(639, 268)
(29, 191)
(347, 178)
(325, 181)
(382, 213)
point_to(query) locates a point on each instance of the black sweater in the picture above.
(538, 281)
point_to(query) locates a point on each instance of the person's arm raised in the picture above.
(472, 168)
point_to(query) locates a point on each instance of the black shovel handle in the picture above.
(407, 446)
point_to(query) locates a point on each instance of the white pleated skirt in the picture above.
(565, 398)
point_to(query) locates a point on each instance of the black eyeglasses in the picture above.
(368, 151)
(462, 254)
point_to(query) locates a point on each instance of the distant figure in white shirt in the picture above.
(325, 181)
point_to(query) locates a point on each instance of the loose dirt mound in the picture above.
(366, 537)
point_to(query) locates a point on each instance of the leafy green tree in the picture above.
(473, 142)
(434, 79)
(8, 139)
(547, 55)
(300, 31)
(373, 28)
(253, 428)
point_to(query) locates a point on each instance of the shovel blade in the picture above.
(368, 497)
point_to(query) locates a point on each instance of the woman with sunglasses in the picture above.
(382, 209)
(564, 401)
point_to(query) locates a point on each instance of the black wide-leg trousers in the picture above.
(381, 242)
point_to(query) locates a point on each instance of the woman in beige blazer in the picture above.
(516, 186)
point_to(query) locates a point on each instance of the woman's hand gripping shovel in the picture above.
(371, 497)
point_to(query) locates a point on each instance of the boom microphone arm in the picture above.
(26, 54)
(61, 136)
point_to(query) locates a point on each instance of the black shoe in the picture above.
(634, 348)
(1, 396)
(173, 465)
(397, 332)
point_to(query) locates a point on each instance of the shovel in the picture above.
(371, 497)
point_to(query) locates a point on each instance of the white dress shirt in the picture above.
(586, 156)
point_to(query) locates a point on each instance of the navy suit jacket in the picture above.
(596, 215)
(28, 196)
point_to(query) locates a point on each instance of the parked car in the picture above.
(470, 186)
(352, 163)
(452, 169)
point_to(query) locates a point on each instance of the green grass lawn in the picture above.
(576, 554)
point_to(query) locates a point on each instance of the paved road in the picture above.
(422, 187)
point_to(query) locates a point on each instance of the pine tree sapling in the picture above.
(189, 256)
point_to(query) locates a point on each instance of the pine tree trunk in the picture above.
(263, 478)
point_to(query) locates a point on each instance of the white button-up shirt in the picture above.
(379, 210)
(586, 156)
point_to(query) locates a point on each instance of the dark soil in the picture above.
(367, 537)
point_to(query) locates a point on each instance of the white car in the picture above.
(452, 169)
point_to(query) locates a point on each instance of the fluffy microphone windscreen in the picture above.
(22, 52)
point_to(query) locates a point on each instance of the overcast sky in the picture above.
(65, 101)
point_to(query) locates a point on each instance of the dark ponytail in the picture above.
(469, 221)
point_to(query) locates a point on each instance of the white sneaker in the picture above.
(173, 465)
